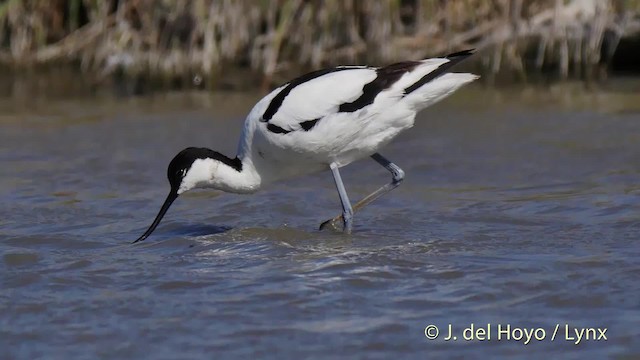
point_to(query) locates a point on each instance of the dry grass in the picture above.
(180, 38)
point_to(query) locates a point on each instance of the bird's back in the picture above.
(342, 114)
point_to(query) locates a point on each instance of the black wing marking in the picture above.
(277, 129)
(277, 100)
(385, 77)
(309, 124)
(305, 125)
(453, 59)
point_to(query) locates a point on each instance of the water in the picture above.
(520, 208)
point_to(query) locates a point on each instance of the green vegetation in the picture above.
(178, 39)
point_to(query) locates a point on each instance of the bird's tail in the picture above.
(430, 81)
(437, 89)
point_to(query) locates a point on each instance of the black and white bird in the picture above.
(320, 121)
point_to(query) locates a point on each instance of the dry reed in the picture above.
(180, 38)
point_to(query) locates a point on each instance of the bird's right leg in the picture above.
(397, 175)
(347, 211)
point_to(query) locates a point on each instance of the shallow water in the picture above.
(519, 209)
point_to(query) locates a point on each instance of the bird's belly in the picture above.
(308, 154)
(365, 146)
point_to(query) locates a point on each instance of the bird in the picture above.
(321, 121)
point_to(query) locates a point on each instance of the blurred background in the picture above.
(167, 44)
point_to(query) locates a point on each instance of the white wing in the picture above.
(300, 104)
(342, 114)
(320, 96)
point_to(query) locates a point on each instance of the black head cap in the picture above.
(181, 163)
(177, 170)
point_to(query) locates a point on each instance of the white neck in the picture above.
(213, 173)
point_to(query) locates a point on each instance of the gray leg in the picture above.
(397, 175)
(347, 211)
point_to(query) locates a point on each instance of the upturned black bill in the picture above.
(167, 203)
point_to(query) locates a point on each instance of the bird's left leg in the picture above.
(347, 211)
(397, 175)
